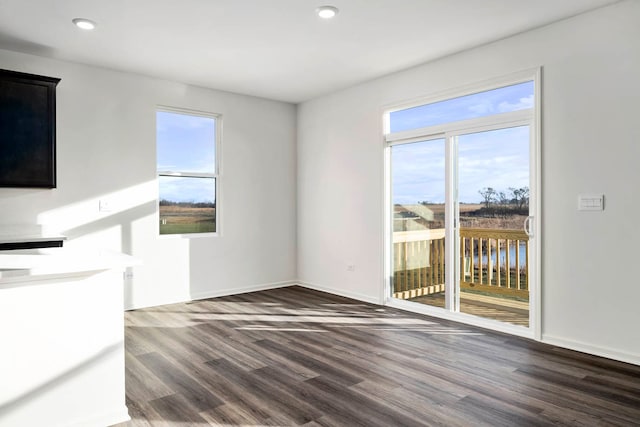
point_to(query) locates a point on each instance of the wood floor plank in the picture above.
(294, 356)
(355, 405)
(178, 409)
(483, 411)
(277, 397)
(233, 413)
(416, 405)
(141, 382)
(179, 381)
(312, 363)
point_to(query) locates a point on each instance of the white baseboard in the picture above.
(235, 291)
(591, 349)
(340, 292)
(106, 419)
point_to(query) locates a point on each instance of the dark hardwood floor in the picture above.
(293, 356)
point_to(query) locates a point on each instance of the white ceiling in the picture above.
(276, 49)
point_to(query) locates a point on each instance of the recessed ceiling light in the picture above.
(85, 24)
(327, 12)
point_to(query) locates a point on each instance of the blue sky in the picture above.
(498, 159)
(194, 190)
(186, 144)
(501, 100)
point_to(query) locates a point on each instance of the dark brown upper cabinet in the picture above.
(27, 130)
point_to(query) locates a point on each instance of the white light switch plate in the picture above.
(591, 202)
(104, 206)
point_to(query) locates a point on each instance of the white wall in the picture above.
(590, 143)
(106, 149)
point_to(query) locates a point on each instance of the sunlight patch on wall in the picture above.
(106, 209)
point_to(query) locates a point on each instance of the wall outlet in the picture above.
(351, 267)
(128, 275)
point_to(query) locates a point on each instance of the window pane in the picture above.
(186, 143)
(418, 172)
(418, 185)
(494, 161)
(187, 205)
(418, 194)
(501, 100)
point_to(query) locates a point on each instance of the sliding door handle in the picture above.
(528, 226)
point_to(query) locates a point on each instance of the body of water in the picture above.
(503, 256)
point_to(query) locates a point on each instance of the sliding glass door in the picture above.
(492, 212)
(418, 189)
(462, 194)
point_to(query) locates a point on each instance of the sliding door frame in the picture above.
(450, 132)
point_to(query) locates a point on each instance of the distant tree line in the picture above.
(164, 202)
(513, 202)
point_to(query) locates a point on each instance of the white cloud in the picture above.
(482, 109)
(522, 104)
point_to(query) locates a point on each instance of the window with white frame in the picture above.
(503, 99)
(187, 168)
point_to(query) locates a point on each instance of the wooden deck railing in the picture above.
(488, 265)
(418, 263)
(486, 262)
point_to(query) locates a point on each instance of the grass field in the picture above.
(186, 220)
(467, 218)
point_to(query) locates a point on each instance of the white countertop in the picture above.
(27, 233)
(31, 238)
(34, 263)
